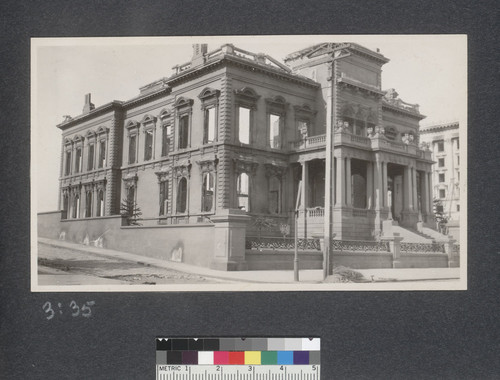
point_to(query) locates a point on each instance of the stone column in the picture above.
(305, 193)
(340, 198)
(369, 185)
(348, 180)
(384, 202)
(414, 188)
(407, 199)
(378, 184)
(429, 190)
(425, 193)
(229, 240)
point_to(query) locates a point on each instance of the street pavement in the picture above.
(100, 264)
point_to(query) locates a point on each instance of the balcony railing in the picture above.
(411, 248)
(309, 142)
(359, 246)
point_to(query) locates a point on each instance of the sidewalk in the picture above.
(262, 276)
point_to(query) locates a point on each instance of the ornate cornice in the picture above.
(208, 165)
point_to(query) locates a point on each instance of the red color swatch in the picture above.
(221, 357)
(236, 357)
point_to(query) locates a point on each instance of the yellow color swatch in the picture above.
(252, 357)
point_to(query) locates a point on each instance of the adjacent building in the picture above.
(444, 142)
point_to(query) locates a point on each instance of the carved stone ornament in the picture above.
(342, 126)
(208, 165)
(243, 166)
(407, 138)
(379, 130)
(424, 145)
(303, 131)
(275, 170)
(182, 170)
(130, 180)
(163, 174)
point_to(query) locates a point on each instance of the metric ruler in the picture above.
(238, 358)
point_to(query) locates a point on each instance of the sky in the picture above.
(426, 69)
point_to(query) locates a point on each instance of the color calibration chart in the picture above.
(238, 358)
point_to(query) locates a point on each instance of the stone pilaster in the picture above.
(113, 174)
(225, 110)
(224, 175)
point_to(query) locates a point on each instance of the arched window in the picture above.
(207, 192)
(164, 201)
(242, 191)
(88, 204)
(182, 195)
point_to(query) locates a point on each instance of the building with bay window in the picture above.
(232, 132)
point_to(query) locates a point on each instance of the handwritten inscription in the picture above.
(84, 310)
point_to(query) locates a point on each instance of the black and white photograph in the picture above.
(249, 163)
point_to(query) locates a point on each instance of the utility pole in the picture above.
(338, 51)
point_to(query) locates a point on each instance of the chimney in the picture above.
(199, 52)
(89, 106)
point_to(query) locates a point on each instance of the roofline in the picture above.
(233, 59)
(112, 106)
(440, 127)
(406, 112)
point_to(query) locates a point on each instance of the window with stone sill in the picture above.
(148, 145)
(440, 162)
(78, 160)
(132, 148)
(440, 146)
(102, 154)
(207, 191)
(274, 197)
(442, 193)
(165, 140)
(90, 158)
(76, 206)
(182, 196)
(67, 170)
(242, 192)
(100, 203)
(164, 198)
(246, 104)
(209, 125)
(88, 204)
(274, 131)
(441, 177)
(244, 125)
(183, 132)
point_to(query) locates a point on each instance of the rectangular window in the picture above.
(148, 146)
(68, 163)
(90, 159)
(209, 126)
(102, 154)
(88, 204)
(164, 201)
(207, 192)
(183, 132)
(441, 162)
(458, 144)
(458, 160)
(165, 140)
(458, 207)
(132, 148)
(442, 193)
(274, 131)
(244, 125)
(441, 177)
(440, 146)
(78, 160)
(242, 192)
